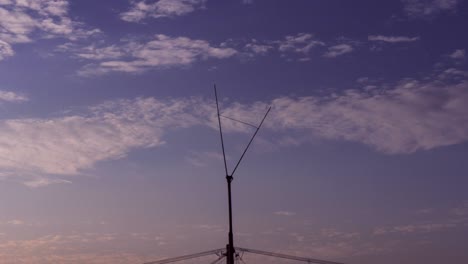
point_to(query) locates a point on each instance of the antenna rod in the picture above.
(230, 251)
(250, 142)
(221, 131)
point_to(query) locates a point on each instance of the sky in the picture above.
(110, 153)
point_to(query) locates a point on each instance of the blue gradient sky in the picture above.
(109, 151)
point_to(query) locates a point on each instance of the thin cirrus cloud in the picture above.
(31, 150)
(301, 43)
(136, 57)
(26, 21)
(454, 218)
(12, 97)
(141, 10)
(405, 117)
(285, 213)
(392, 39)
(5, 50)
(458, 54)
(338, 50)
(72, 247)
(408, 116)
(428, 8)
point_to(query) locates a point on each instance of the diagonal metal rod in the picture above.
(221, 132)
(233, 119)
(217, 260)
(191, 256)
(284, 256)
(250, 142)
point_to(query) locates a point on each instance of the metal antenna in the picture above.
(230, 251)
(250, 142)
(220, 131)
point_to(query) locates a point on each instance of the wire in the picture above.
(245, 123)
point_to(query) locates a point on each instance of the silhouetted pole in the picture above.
(230, 250)
(230, 247)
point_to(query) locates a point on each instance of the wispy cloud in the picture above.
(414, 228)
(203, 159)
(12, 97)
(301, 43)
(137, 57)
(71, 248)
(285, 213)
(458, 54)
(258, 49)
(5, 50)
(404, 117)
(24, 21)
(460, 210)
(34, 150)
(392, 39)
(141, 10)
(15, 222)
(428, 8)
(300, 47)
(338, 50)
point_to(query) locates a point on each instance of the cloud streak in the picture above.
(392, 39)
(141, 10)
(12, 97)
(428, 8)
(33, 150)
(23, 21)
(338, 50)
(137, 57)
(408, 116)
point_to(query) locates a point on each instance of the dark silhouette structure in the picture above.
(231, 253)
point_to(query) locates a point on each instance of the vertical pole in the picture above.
(230, 247)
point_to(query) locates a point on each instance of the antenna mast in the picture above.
(230, 250)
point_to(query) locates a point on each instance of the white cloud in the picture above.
(72, 248)
(285, 213)
(15, 222)
(338, 50)
(12, 97)
(203, 159)
(23, 21)
(392, 39)
(461, 210)
(37, 182)
(258, 49)
(33, 150)
(415, 228)
(458, 54)
(5, 50)
(300, 43)
(428, 8)
(162, 51)
(141, 10)
(407, 117)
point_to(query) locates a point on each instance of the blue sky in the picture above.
(109, 151)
